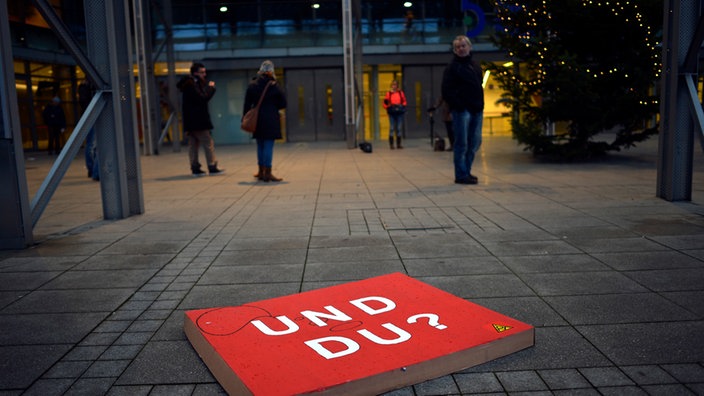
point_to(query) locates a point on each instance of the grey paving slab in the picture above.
(350, 271)
(601, 282)
(348, 254)
(67, 301)
(99, 279)
(605, 245)
(235, 294)
(532, 310)
(564, 379)
(262, 273)
(643, 343)
(553, 263)
(686, 373)
(50, 387)
(38, 264)
(662, 280)
(478, 286)
(177, 362)
(22, 365)
(449, 266)
(124, 261)
(140, 246)
(529, 248)
(652, 260)
(246, 243)
(441, 386)
(260, 257)
(609, 274)
(521, 381)
(474, 383)
(57, 249)
(54, 328)
(618, 308)
(648, 375)
(25, 280)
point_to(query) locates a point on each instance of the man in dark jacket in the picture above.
(463, 92)
(55, 120)
(197, 92)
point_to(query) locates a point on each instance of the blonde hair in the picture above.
(462, 37)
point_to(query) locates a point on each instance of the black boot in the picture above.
(398, 143)
(213, 169)
(260, 173)
(391, 142)
(196, 171)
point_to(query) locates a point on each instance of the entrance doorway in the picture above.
(315, 109)
(422, 89)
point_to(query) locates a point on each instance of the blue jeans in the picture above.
(265, 152)
(468, 137)
(395, 124)
(91, 155)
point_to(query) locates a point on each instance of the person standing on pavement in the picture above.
(197, 92)
(55, 120)
(85, 95)
(462, 90)
(446, 119)
(269, 121)
(395, 105)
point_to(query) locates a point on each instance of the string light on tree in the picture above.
(602, 53)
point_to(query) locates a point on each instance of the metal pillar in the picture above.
(352, 53)
(109, 68)
(107, 27)
(680, 106)
(15, 224)
(358, 65)
(174, 108)
(149, 99)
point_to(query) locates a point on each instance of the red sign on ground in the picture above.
(363, 337)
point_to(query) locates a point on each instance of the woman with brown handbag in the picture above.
(269, 121)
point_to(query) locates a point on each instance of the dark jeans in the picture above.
(265, 152)
(54, 139)
(395, 124)
(468, 137)
(91, 155)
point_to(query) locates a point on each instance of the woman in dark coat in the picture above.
(269, 122)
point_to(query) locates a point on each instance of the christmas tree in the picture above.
(583, 76)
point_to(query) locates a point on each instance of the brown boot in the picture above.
(260, 173)
(269, 177)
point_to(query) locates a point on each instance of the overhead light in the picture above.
(408, 4)
(315, 5)
(223, 9)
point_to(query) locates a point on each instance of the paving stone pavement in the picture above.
(611, 276)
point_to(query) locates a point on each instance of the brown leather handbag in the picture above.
(249, 120)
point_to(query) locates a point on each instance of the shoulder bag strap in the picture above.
(264, 93)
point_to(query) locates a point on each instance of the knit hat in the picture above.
(266, 67)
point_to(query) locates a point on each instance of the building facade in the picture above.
(405, 41)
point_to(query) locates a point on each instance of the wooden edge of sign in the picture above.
(434, 368)
(227, 378)
(375, 384)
